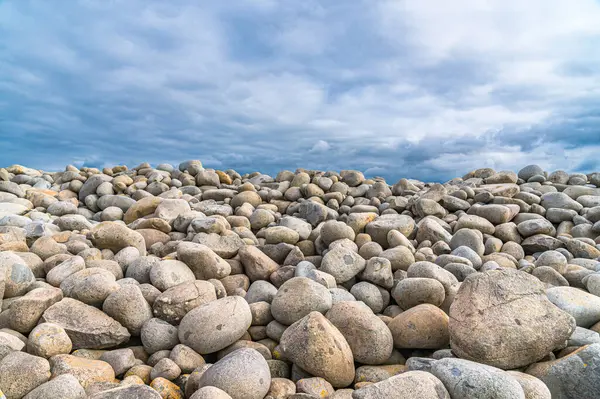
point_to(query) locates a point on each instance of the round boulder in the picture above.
(215, 325)
(504, 319)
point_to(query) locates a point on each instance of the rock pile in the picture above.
(188, 282)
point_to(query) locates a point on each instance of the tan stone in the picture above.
(421, 327)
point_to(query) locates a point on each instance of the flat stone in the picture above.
(226, 246)
(298, 297)
(583, 306)
(466, 379)
(88, 327)
(378, 229)
(87, 371)
(64, 386)
(576, 375)
(412, 384)
(369, 338)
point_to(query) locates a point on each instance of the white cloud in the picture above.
(320, 146)
(398, 85)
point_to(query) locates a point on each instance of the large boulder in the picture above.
(503, 318)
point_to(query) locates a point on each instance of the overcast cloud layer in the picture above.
(427, 89)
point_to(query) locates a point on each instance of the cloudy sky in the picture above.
(428, 89)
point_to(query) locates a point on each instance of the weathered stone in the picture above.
(64, 386)
(466, 379)
(87, 371)
(21, 372)
(317, 346)
(131, 392)
(298, 297)
(27, 310)
(411, 292)
(173, 304)
(257, 265)
(115, 236)
(368, 337)
(204, 262)
(186, 358)
(421, 327)
(215, 325)
(583, 306)
(342, 263)
(243, 374)
(87, 326)
(144, 207)
(128, 306)
(575, 375)
(9, 343)
(47, 340)
(120, 360)
(169, 273)
(210, 392)
(431, 230)
(158, 335)
(502, 318)
(412, 384)
(226, 246)
(378, 229)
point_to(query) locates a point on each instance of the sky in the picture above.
(426, 89)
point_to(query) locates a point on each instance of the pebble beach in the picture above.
(182, 281)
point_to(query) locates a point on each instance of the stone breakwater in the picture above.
(188, 282)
